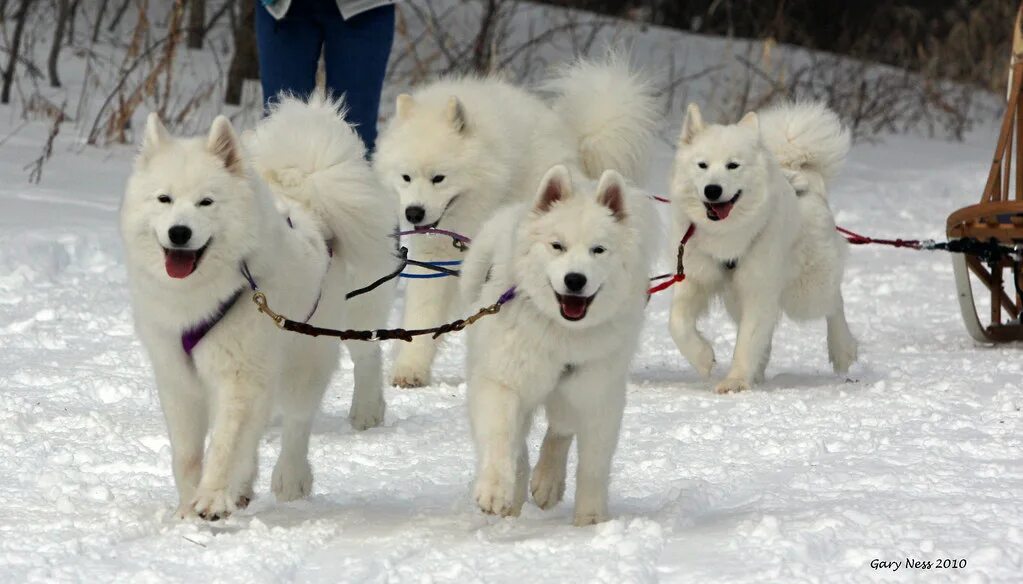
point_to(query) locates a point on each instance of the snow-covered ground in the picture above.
(808, 478)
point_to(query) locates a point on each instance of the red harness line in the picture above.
(857, 239)
(851, 236)
(680, 273)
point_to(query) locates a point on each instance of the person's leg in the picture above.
(289, 50)
(356, 53)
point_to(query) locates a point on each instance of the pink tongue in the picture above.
(180, 264)
(722, 210)
(573, 306)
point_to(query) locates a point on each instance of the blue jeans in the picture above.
(355, 56)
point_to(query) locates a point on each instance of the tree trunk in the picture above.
(71, 22)
(245, 63)
(63, 14)
(118, 16)
(19, 30)
(196, 23)
(99, 20)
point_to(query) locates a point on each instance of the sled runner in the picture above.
(999, 217)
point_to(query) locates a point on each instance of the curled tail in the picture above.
(809, 141)
(613, 112)
(307, 153)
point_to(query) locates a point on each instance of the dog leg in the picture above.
(369, 311)
(760, 310)
(184, 409)
(498, 418)
(690, 301)
(597, 397)
(427, 304)
(368, 404)
(548, 481)
(842, 346)
(241, 412)
(292, 476)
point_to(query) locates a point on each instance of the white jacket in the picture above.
(348, 8)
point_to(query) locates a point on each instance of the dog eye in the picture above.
(599, 249)
(206, 202)
(165, 199)
(732, 165)
(437, 179)
(702, 165)
(556, 245)
(406, 178)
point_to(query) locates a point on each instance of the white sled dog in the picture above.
(459, 149)
(578, 260)
(200, 229)
(764, 237)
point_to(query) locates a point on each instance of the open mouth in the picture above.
(180, 263)
(719, 211)
(437, 222)
(574, 307)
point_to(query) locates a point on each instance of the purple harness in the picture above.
(191, 337)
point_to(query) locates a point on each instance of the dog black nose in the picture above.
(575, 282)
(179, 234)
(712, 192)
(415, 214)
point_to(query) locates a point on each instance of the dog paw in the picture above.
(411, 369)
(410, 377)
(700, 355)
(548, 488)
(843, 357)
(732, 385)
(185, 510)
(291, 480)
(214, 504)
(243, 501)
(584, 518)
(366, 416)
(703, 360)
(495, 494)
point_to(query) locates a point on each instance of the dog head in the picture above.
(577, 249)
(188, 205)
(720, 171)
(431, 156)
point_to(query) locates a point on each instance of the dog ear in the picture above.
(750, 120)
(223, 143)
(555, 186)
(456, 115)
(611, 194)
(692, 125)
(155, 134)
(404, 106)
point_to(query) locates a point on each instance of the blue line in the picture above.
(445, 263)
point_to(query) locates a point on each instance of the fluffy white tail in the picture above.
(308, 153)
(808, 140)
(612, 110)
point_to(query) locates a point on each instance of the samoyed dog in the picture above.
(459, 149)
(763, 234)
(576, 260)
(201, 229)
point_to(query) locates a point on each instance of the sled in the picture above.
(999, 217)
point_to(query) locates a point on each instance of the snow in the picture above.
(809, 477)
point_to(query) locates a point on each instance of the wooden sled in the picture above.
(998, 216)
